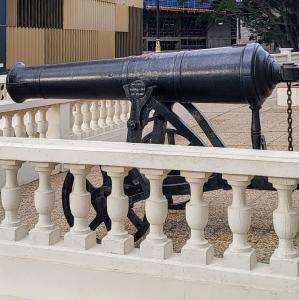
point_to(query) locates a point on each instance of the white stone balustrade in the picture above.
(3, 92)
(64, 119)
(195, 271)
(67, 119)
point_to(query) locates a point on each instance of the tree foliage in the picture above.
(269, 21)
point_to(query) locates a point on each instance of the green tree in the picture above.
(269, 21)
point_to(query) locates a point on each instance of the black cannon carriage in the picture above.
(154, 83)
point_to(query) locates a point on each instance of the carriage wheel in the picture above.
(136, 188)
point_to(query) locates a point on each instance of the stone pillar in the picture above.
(285, 259)
(86, 118)
(42, 124)
(11, 227)
(7, 129)
(78, 119)
(103, 116)
(80, 236)
(240, 254)
(117, 240)
(44, 232)
(20, 128)
(156, 244)
(197, 249)
(124, 111)
(31, 126)
(117, 114)
(95, 115)
(110, 114)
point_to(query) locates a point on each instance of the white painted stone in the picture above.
(117, 240)
(7, 129)
(197, 249)
(156, 245)
(80, 236)
(42, 124)
(20, 128)
(31, 126)
(87, 116)
(103, 116)
(95, 115)
(11, 227)
(239, 254)
(78, 120)
(110, 105)
(45, 232)
(124, 110)
(117, 113)
(285, 259)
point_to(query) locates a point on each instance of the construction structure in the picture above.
(58, 31)
(182, 28)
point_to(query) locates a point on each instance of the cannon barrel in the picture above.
(238, 74)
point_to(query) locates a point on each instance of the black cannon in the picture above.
(154, 83)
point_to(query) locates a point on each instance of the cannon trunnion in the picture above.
(154, 83)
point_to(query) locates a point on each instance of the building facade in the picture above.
(59, 31)
(182, 28)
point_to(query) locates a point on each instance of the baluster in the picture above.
(42, 124)
(103, 116)
(285, 259)
(110, 113)
(156, 244)
(80, 236)
(7, 129)
(78, 119)
(20, 128)
(95, 115)
(117, 113)
(124, 110)
(86, 118)
(11, 227)
(117, 240)
(239, 254)
(197, 249)
(31, 126)
(129, 109)
(44, 232)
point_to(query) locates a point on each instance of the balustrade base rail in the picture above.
(46, 273)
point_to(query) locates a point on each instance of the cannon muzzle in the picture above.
(240, 74)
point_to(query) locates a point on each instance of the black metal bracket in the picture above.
(258, 140)
(290, 72)
(140, 97)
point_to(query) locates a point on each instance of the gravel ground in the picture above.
(233, 123)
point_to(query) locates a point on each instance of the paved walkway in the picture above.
(232, 122)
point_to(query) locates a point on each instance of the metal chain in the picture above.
(290, 119)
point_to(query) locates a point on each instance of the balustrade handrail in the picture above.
(281, 164)
(10, 106)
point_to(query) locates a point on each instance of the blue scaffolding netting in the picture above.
(187, 4)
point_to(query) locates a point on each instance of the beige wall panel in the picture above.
(62, 46)
(26, 45)
(107, 45)
(89, 15)
(11, 12)
(121, 18)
